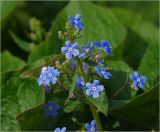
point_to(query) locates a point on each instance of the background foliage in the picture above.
(133, 33)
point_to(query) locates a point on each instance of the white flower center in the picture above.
(75, 21)
(102, 72)
(138, 79)
(50, 74)
(93, 88)
(87, 50)
(92, 129)
(50, 108)
(83, 83)
(70, 49)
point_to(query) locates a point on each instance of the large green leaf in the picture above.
(10, 62)
(135, 22)
(99, 24)
(7, 8)
(73, 86)
(17, 96)
(117, 87)
(142, 110)
(100, 103)
(149, 65)
(26, 46)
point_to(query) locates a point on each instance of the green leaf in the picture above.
(139, 25)
(149, 65)
(18, 96)
(141, 110)
(100, 103)
(117, 87)
(73, 86)
(7, 7)
(99, 24)
(26, 46)
(10, 62)
(71, 105)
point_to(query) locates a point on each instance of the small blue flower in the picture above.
(138, 81)
(94, 88)
(91, 127)
(51, 109)
(48, 74)
(75, 21)
(70, 49)
(104, 44)
(80, 83)
(101, 62)
(63, 129)
(103, 72)
(85, 50)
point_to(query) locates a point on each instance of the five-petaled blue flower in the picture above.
(94, 88)
(138, 81)
(80, 83)
(51, 109)
(63, 129)
(75, 21)
(103, 72)
(70, 49)
(104, 44)
(91, 127)
(85, 50)
(48, 74)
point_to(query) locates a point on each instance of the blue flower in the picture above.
(75, 21)
(103, 72)
(51, 109)
(80, 83)
(91, 127)
(94, 88)
(85, 50)
(138, 81)
(48, 74)
(70, 49)
(63, 129)
(101, 62)
(104, 44)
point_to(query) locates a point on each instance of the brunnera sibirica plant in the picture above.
(82, 67)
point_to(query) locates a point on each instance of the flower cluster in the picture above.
(77, 59)
(48, 75)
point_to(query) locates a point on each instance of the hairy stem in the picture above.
(93, 108)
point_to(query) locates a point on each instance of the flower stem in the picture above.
(96, 117)
(93, 108)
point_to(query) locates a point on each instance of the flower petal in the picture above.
(89, 92)
(96, 82)
(89, 85)
(100, 88)
(75, 52)
(68, 55)
(95, 94)
(136, 73)
(68, 44)
(78, 17)
(75, 45)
